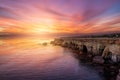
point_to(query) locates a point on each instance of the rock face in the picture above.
(114, 49)
(98, 47)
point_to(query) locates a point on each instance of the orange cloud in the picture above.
(46, 18)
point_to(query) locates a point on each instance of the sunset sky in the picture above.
(59, 17)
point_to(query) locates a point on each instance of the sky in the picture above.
(59, 17)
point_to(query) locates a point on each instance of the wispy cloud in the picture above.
(59, 16)
(7, 13)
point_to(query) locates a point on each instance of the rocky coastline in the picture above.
(102, 54)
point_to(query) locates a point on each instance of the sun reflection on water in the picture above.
(15, 44)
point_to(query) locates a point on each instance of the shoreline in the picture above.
(108, 68)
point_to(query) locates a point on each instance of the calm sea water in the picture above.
(27, 59)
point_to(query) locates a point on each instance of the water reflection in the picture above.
(27, 59)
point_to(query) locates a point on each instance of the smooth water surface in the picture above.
(27, 59)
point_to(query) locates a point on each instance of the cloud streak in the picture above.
(59, 16)
(7, 13)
